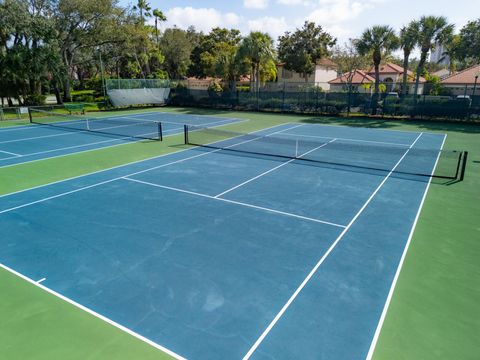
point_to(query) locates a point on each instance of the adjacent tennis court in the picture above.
(57, 134)
(285, 243)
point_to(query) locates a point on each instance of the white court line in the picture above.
(9, 153)
(41, 280)
(271, 170)
(120, 139)
(103, 170)
(376, 335)
(77, 190)
(30, 127)
(71, 147)
(348, 139)
(94, 313)
(234, 202)
(322, 259)
(194, 115)
(114, 179)
(369, 128)
(58, 195)
(223, 122)
(71, 131)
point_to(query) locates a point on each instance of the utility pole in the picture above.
(102, 78)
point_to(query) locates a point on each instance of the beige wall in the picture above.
(320, 77)
(460, 89)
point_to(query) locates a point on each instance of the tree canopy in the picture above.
(301, 49)
(54, 46)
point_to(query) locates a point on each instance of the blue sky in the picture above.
(342, 18)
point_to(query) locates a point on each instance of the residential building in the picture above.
(325, 70)
(463, 82)
(390, 74)
(360, 81)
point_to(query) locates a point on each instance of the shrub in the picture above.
(35, 100)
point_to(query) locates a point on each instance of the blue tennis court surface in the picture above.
(36, 142)
(214, 254)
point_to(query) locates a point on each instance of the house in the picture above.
(463, 82)
(391, 75)
(360, 80)
(325, 70)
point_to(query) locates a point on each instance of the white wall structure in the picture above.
(325, 70)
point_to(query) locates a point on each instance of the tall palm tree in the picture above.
(377, 41)
(408, 41)
(256, 49)
(143, 8)
(432, 30)
(159, 16)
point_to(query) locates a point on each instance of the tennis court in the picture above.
(56, 134)
(214, 253)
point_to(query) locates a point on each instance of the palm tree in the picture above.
(159, 16)
(408, 41)
(452, 45)
(256, 49)
(377, 41)
(144, 9)
(432, 30)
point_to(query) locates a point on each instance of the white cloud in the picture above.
(337, 11)
(294, 2)
(271, 25)
(203, 19)
(255, 4)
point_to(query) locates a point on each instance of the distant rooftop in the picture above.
(466, 76)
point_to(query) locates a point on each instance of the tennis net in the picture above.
(356, 155)
(117, 126)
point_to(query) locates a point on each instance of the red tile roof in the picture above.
(464, 77)
(327, 63)
(391, 68)
(359, 77)
(388, 68)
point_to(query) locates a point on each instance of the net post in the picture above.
(464, 165)
(185, 134)
(30, 115)
(160, 131)
(459, 162)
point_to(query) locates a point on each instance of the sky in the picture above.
(343, 19)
